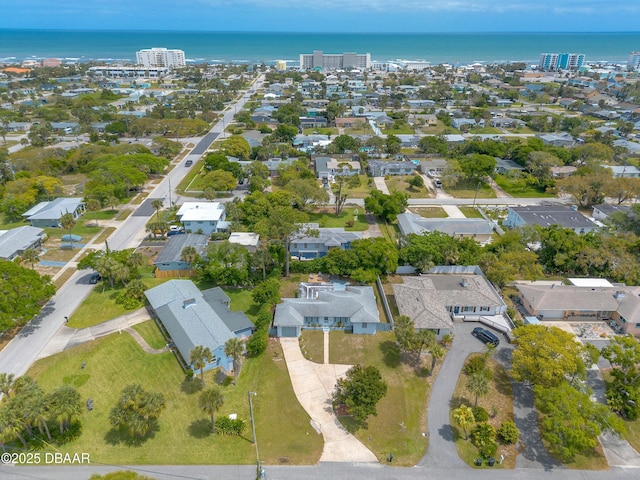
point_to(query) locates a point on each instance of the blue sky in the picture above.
(326, 15)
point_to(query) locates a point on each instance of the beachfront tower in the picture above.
(335, 61)
(160, 57)
(561, 61)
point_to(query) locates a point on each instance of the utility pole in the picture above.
(170, 204)
(259, 471)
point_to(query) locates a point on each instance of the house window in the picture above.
(467, 309)
(326, 319)
(485, 309)
(637, 325)
(364, 324)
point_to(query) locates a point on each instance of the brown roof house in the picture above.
(434, 300)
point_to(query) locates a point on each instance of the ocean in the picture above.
(247, 47)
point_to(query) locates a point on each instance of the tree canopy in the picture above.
(360, 391)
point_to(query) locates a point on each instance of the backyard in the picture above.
(326, 218)
(401, 183)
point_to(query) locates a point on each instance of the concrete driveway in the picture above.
(313, 384)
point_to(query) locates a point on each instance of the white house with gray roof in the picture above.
(345, 307)
(479, 229)
(328, 238)
(193, 318)
(202, 217)
(14, 242)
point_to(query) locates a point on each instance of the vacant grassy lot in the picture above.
(360, 191)
(468, 190)
(326, 218)
(498, 403)
(470, 212)
(401, 183)
(519, 190)
(401, 416)
(182, 437)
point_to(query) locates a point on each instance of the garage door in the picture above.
(289, 332)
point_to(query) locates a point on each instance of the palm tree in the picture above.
(199, 357)
(463, 415)
(65, 405)
(425, 338)
(68, 221)
(38, 408)
(234, 348)
(30, 255)
(210, 401)
(6, 383)
(478, 384)
(189, 254)
(12, 424)
(157, 205)
(437, 352)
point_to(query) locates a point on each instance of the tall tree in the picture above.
(157, 203)
(68, 222)
(30, 255)
(66, 405)
(478, 384)
(137, 410)
(360, 391)
(200, 357)
(234, 348)
(463, 416)
(7, 381)
(93, 205)
(210, 400)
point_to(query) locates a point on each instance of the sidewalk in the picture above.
(71, 337)
(313, 385)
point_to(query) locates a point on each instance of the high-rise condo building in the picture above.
(633, 63)
(335, 61)
(160, 57)
(561, 61)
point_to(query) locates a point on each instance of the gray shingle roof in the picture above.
(17, 240)
(547, 215)
(189, 318)
(54, 209)
(412, 223)
(357, 303)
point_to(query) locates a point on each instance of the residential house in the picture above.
(202, 217)
(435, 299)
(329, 167)
(437, 165)
(479, 229)
(464, 122)
(547, 215)
(170, 262)
(313, 122)
(14, 242)
(328, 238)
(557, 139)
(563, 171)
(618, 304)
(328, 305)
(248, 240)
(193, 318)
(306, 142)
(506, 122)
(350, 122)
(381, 168)
(602, 212)
(506, 165)
(48, 214)
(624, 171)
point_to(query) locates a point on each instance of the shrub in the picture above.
(508, 433)
(258, 342)
(475, 364)
(483, 436)
(350, 223)
(228, 426)
(480, 414)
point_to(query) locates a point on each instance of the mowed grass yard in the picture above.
(327, 218)
(282, 427)
(402, 412)
(401, 183)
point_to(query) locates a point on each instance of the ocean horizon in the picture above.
(258, 47)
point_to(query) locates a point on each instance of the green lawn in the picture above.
(469, 190)
(485, 130)
(358, 192)
(321, 131)
(327, 218)
(182, 437)
(312, 345)
(7, 224)
(401, 183)
(402, 412)
(99, 306)
(430, 212)
(470, 212)
(519, 191)
(241, 301)
(151, 333)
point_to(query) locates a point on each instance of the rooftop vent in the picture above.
(464, 283)
(619, 294)
(189, 302)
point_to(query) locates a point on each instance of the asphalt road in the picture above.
(25, 348)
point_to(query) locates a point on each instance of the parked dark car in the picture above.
(188, 163)
(95, 278)
(485, 336)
